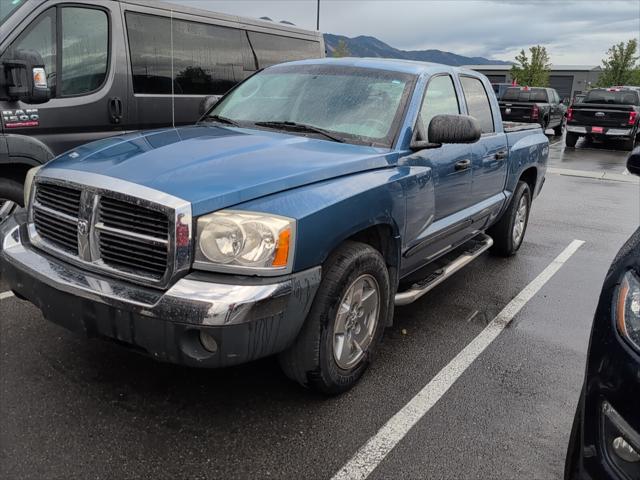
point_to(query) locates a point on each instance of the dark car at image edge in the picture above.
(605, 114)
(605, 437)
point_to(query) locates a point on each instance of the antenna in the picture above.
(173, 98)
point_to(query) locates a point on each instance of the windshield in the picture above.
(615, 97)
(522, 95)
(359, 105)
(8, 7)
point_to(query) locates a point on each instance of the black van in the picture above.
(72, 71)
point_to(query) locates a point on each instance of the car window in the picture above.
(478, 102)
(40, 37)
(440, 98)
(207, 59)
(360, 104)
(271, 49)
(85, 50)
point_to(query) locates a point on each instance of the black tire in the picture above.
(572, 460)
(11, 190)
(310, 361)
(571, 139)
(629, 144)
(557, 131)
(504, 243)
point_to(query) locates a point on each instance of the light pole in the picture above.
(318, 17)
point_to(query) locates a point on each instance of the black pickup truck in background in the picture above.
(605, 114)
(533, 105)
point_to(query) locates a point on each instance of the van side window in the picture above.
(272, 49)
(478, 102)
(39, 36)
(440, 98)
(207, 59)
(85, 50)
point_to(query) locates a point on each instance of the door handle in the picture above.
(501, 155)
(462, 165)
(115, 110)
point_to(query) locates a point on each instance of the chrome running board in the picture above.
(479, 245)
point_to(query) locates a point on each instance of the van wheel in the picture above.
(571, 139)
(345, 324)
(11, 196)
(508, 233)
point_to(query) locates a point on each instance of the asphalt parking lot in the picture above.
(72, 408)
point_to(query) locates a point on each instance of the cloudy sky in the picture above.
(574, 32)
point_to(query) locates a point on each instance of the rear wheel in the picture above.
(11, 196)
(571, 139)
(345, 324)
(629, 144)
(508, 233)
(557, 131)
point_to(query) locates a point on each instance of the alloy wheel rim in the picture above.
(6, 208)
(356, 321)
(520, 221)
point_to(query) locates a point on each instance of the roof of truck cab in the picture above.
(391, 64)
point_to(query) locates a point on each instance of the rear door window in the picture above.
(440, 98)
(272, 49)
(478, 103)
(207, 59)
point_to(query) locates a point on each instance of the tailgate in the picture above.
(516, 112)
(601, 115)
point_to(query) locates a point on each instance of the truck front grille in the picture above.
(110, 232)
(55, 215)
(133, 238)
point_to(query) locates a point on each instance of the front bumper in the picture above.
(248, 318)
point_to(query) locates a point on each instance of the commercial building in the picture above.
(568, 80)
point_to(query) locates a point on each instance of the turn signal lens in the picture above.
(632, 118)
(282, 251)
(535, 112)
(569, 114)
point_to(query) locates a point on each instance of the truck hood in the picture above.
(217, 167)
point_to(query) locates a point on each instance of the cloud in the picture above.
(573, 31)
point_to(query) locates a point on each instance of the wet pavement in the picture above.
(72, 408)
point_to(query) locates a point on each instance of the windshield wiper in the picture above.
(218, 118)
(300, 127)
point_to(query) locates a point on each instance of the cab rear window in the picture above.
(522, 95)
(613, 97)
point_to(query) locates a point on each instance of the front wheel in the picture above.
(345, 324)
(508, 233)
(11, 196)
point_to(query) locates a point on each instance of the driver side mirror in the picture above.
(25, 78)
(445, 129)
(633, 162)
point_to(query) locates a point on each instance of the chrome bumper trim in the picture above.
(618, 132)
(189, 300)
(576, 129)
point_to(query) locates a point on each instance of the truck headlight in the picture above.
(28, 184)
(245, 242)
(628, 309)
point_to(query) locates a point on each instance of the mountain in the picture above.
(365, 46)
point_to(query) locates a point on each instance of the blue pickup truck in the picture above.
(307, 203)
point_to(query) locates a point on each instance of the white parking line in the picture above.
(4, 295)
(369, 456)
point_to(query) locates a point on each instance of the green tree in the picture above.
(533, 72)
(619, 68)
(341, 49)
